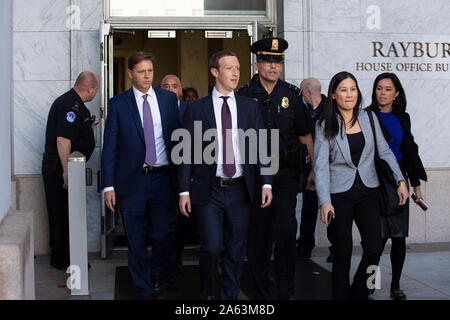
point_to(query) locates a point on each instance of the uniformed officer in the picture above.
(69, 129)
(283, 110)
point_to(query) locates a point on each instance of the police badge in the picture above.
(285, 102)
(274, 45)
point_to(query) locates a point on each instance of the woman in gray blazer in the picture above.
(347, 183)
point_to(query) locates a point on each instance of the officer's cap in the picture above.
(270, 49)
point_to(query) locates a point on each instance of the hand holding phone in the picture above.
(421, 203)
(330, 216)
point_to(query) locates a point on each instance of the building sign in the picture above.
(400, 57)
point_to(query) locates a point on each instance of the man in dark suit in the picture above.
(221, 193)
(184, 227)
(137, 168)
(315, 103)
(172, 83)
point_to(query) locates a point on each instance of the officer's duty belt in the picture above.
(229, 182)
(151, 170)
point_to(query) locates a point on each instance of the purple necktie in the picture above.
(149, 134)
(228, 168)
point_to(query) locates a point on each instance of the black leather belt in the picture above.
(150, 170)
(229, 182)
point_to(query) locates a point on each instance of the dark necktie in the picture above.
(227, 140)
(149, 133)
(312, 111)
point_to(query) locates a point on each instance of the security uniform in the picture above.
(68, 118)
(282, 109)
(310, 204)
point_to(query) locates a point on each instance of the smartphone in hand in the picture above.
(330, 216)
(421, 203)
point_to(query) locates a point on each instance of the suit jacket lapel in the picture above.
(183, 106)
(343, 144)
(240, 114)
(209, 112)
(163, 111)
(366, 128)
(135, 113)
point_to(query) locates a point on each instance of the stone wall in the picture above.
(54, 40)
(17, 256)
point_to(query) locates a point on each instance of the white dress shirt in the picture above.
(161, 155)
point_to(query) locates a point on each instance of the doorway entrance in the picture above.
(184, 52)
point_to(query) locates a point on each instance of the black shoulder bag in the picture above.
(388, 196)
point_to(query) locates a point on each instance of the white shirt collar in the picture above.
(139, 94)
(216, 94)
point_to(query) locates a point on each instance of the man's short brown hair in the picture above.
(139, 56)
(214, 61)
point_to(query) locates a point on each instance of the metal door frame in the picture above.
(107, 72)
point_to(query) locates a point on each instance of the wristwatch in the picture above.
(402, 182)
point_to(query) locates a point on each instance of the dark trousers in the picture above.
(361, 206)
(310, 207)
(308, 220)
(58, 214)
(223, 225)
(149, 213)
(398, 255)
(185, 229)
(276, 222)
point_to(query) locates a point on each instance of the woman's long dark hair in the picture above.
(399, 104)
(331, 114)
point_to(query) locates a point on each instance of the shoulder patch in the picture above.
(70, 117)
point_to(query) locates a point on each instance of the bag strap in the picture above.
(372, 125)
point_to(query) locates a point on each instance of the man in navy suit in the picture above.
(172, 83)
(137, 169)
(184, 227)
(221, 193)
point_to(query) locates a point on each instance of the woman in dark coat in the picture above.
(389, 104)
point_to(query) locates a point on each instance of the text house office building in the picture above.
(47, 43)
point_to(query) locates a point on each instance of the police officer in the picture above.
(283, 110)
(69, 129)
